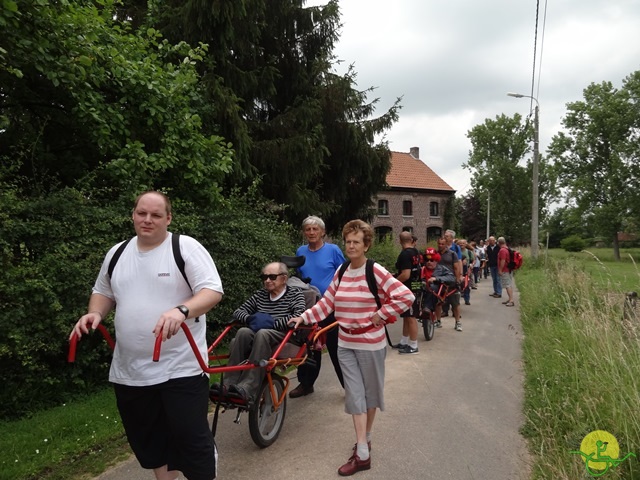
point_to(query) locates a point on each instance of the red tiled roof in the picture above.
(409, 172)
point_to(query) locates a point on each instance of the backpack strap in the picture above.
(371, 281)
(177, 256)
(116, 257)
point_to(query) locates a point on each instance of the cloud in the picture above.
(454, 61)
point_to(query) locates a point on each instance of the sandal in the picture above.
(504, 303)
(509, 304)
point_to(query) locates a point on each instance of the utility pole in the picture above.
(488, 213)
(534, 186)
(534, 174)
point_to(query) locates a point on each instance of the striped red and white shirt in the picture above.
(354, 306)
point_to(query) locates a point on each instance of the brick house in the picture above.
(415, 200)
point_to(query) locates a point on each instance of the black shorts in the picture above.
(166, 424)
(414, 310)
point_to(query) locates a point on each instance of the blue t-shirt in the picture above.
(321, 265)
(456, 248)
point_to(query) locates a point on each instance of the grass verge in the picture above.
(73, 441)
(582, 364)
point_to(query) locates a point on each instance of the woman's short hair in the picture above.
(355, 226)
(313, 220)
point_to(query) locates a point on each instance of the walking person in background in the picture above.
(467, 265)
(476, 264)
(408, 266)
(484, 266)
(144, 287)
(322, 260)
(492, 258)
(361, 335)
(506, 277)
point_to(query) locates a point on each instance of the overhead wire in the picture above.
(535, 56)
(544, 24)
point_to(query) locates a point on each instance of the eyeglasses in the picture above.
(270, 276)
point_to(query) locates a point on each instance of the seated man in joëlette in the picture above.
(434, 275)
(265, 316)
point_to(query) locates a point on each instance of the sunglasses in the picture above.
(270, 276)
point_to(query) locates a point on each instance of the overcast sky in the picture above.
(453, 61)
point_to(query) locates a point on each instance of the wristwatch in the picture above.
(184, 310)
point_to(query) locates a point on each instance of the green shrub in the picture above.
(385, 252)
(52, 249)
(573, 243)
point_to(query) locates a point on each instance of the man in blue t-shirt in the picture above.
(322, 259)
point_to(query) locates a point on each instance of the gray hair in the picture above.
(451, 232)
(313, 220)
(282, 267)
(502, 241)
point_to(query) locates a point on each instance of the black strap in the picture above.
(177, 256)
(116, 257)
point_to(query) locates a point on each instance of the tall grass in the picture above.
(582, 366)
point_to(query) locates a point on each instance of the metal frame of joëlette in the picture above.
(268, 364)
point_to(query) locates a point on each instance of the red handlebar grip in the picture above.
(156, 348)
(71, 357)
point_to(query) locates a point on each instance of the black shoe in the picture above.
(239, 392)
(467, 303)
(218, 388)
(444, 314)
(300, 391)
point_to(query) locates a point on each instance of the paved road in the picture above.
(452, 412)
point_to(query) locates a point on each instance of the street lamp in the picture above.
(534, 179)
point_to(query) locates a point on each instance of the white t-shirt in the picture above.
(144, 285)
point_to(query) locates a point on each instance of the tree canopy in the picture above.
(308, 132)
(498, 151)
(597, 156)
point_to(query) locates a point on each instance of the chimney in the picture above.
(414, 152)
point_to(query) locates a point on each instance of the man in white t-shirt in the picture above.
(163, 404)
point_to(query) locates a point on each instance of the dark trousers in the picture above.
(497, 286)
(308, 374)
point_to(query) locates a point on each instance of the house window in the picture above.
(407, 229)
(382, 233)
(383, 207)
(433, 209)
(433, 233)
(407, 208)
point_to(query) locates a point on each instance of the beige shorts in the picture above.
(506, 280)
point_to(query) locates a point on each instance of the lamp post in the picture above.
(534, 175)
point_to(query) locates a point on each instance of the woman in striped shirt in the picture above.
(361, 335)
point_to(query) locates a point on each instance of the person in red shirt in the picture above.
(506, 279)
